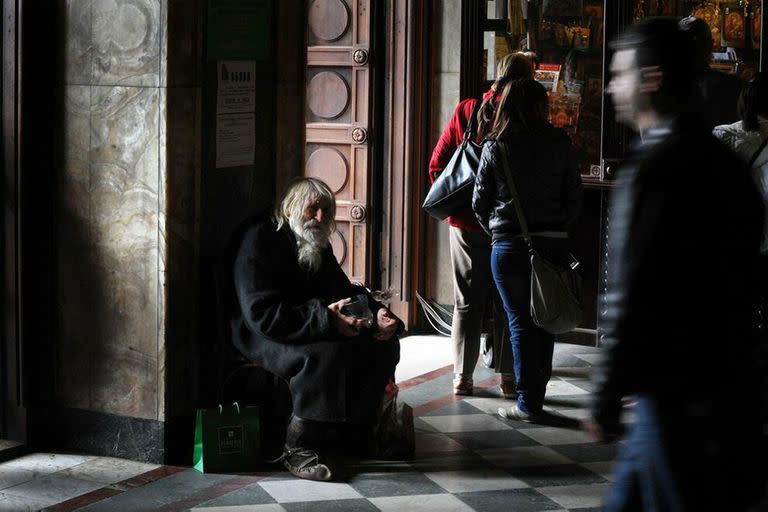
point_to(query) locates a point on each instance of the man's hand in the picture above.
(345, 325)
(386, 323)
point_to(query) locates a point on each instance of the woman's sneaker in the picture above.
(516, 413)
(304, 463)
(462, 385)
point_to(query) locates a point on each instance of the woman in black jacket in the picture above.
(541, 163)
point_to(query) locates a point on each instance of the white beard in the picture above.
(311, 238)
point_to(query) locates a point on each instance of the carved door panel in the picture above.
(337, 114)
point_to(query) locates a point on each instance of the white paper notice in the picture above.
(235, 140)
(237, 86)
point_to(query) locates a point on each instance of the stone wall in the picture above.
(127, 228)
(446, 45)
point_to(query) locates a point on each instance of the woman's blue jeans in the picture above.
(532, 347)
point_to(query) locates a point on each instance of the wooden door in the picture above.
(338, 102)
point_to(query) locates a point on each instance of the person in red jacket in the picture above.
(470, 245)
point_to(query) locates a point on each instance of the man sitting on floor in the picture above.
(290, 319)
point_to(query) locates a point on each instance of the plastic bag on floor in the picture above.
(394, 431)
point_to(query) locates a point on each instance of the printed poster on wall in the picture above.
(235, 140)
(237, 86)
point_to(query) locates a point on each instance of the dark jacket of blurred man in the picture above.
(685, 232)
(289, 315)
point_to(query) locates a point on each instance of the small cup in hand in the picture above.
(358, 308)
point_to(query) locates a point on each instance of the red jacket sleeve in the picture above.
(446, 145)
(451, 138)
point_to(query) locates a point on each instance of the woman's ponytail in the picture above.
(511, 67)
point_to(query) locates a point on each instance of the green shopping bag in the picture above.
(227, 439)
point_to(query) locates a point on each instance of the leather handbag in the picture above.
(452, 190)
(555, 291)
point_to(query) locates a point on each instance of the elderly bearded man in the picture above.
(290, 320)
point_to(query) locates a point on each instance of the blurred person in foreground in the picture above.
(289, 317)
(684, 238)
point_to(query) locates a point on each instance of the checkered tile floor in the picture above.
(467, 459)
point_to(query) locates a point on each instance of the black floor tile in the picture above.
(361, 505)
(450, 462)
(455, 408)
(491, 439)
(561, 474)
(422, 427)
(400, 484)
(518, 500)
(592, 452)
(250, 495)
(579, 401)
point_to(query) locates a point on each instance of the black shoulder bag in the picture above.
(555, 291)
(452, 190)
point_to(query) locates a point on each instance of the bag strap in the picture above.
(471, 130)
(757, 153)
(515, 195)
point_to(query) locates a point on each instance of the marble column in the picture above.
(127, 218)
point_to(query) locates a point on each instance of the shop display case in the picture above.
(571, 39)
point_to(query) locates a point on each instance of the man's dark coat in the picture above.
(280, 320)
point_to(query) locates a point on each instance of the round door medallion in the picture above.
(329, 165)
(357, 213)
(360, 56)
(328, 19)
(359, 135)
(328, 95)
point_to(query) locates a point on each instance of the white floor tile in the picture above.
(465, 423)
(576, 496)
(422, 503)
(14, 476)
(488, 405)
(550, 436)
(18, 504)
(287, 491)
(45, 463)
(107, 470)
(523, 456)
(432, 443)
(271, 507)
(53, 487)
(422, 354)
(557, 387)
(473, 480)
(593, 359)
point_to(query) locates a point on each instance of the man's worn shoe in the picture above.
(462, 385)
(304, 463)
(508, 387)
(517, 414)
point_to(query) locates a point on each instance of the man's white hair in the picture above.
(299, 194)
(311, 236)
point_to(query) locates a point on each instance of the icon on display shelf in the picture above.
(710, 13)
